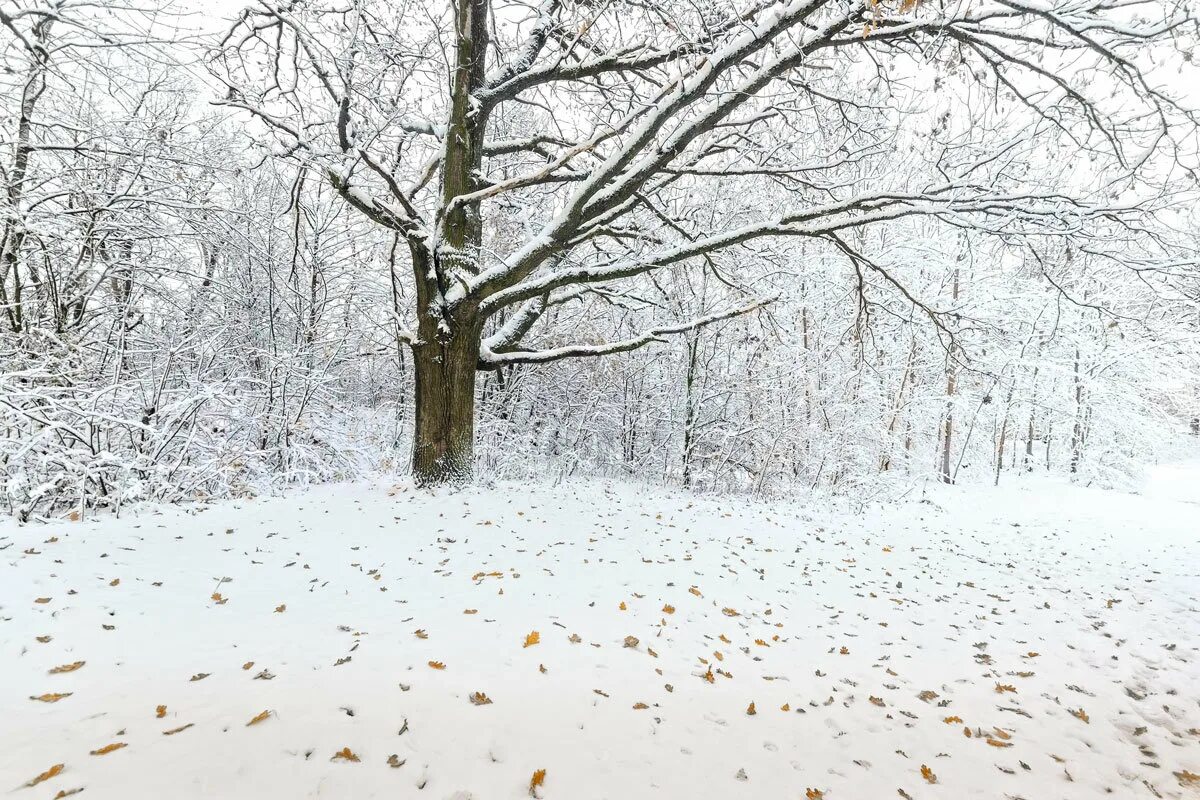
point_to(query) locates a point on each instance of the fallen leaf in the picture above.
(248, 665)
(51, 697)
(668, 609)
(115, 582)
(345, 754)
(282, 607)
(878, 701)
(42, 600)
(786, 707)
(845, 651)
(539, 778)
(67, 667)
(420, 633)
(199, 676)
(695, 591)
(814, 794)
(952, 720)
(258, 718)
(640, 706)
(470, 610)
(67, 792)
(1079, 713)
(47, 775)
(927, 774)
(394, 761)
(622, 606)
(1001, 688)
(729, 612)
(44, 639)
(533, 638)
(180, 729)
(480, 699)
(631, 641)
(108, 748)
(437, 665)
(750, 710)
(160, 712)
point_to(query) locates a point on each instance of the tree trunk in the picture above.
(444, 433)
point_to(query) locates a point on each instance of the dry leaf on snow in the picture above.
(108, 748)
(47, 775)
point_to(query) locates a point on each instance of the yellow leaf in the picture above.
(814, 794)
(480, 699)
(67, 793)
(1079, 713)
(345, 754)
(952, 720)
(729, 612)
(47, 775)
(786, 707)
(539, 778)
(622, 606)
(108, 748)
(927, 774)
(51, 697)
(160, 712)
(437, 665)
(67, 667)
(997, 742)
(750, 710)
(640, 706)
(668, 609)
(258, 718)
(533, 638)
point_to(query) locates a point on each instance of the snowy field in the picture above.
(358, 641)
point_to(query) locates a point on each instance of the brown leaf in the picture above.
(952, 720)
(786, 707)
(180, 729)
(394, 761)
(1001, 688)
(160, 712)
(622, 606)
(695, 591)
(282, 607)
(420, 633)
(108, 748)
(115, 582)
(470, 610)
(750, 710)
(845, 651)
(42, 600)
(533, 638)
(814, 794)
(1079, 713)
(480, 699)
(437, 665)
(729, 612)
(259, 717)
(51, 697)
(631, 641)
(878, 701)
(927, 774)
(67, 792)
(247, 665)
(1185, 778)
(47, 775)
(44, 639)
(640, 706)
(668, 609)
(345, 754)
(67, 667)
(199, 676)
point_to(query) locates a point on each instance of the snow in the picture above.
(948, 590)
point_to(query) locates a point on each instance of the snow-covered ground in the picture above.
(1028, 642)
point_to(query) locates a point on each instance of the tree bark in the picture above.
(444, 428)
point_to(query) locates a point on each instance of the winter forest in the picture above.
(870, 277)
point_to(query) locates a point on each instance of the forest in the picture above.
(733, 247)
